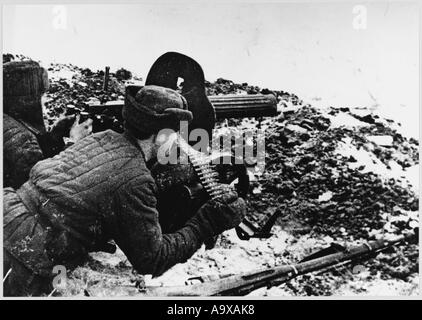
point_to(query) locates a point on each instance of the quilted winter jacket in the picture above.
(20, 152)
(102, 189)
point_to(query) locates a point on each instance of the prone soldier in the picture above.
(101, 189)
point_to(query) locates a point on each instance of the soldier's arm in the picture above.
(53, 142)
(138, 233)
(21, 152)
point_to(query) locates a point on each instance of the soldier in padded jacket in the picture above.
(25, 138)
(101, 189)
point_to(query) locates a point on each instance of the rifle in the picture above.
(239, 285)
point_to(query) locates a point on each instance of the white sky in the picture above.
(308, 49)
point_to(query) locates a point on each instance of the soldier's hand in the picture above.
(80, 130)
(62, 127)
(225, 212)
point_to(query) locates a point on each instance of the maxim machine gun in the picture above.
(185, 187)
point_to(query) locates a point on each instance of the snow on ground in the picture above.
(379, 287)
(230, 256)
(370, 162)
(345, 120)
(65, 74)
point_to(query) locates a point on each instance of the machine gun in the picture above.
(109, 115)
(167, 71)
(104, 116)
(324, 260)
(181, 190)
